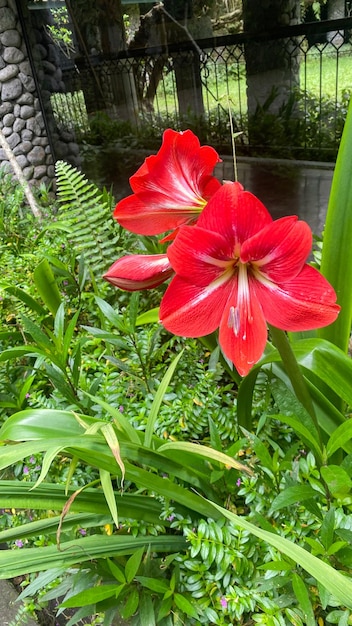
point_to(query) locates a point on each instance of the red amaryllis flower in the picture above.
(238, 269)
(170, 188)
(139, 271)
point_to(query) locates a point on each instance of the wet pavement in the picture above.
(285, 187)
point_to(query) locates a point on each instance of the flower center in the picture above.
(241, 314)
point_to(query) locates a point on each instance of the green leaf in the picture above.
(59, 380)
(49, 526)
(19, 353)
(39, 336)
(326, 535)
(59, 323)
(209, 453)
(50, 497)
(47, 287)
(133, 310)
(116, 571)
(292, 495)
(158, 398)
(304, 602)
(30, 302)
(164, 608)
(42, 423)
(327, 371)
(115, 319)
(154, 584)
(121, 422)
(185, 605)
(68, 335)
(149, 317)
(131, 604)
(113, 443)
(133, 564)
(48, 458)
(18, 562)
(338, 439)
(337, 480)
(146, 610)
(277, 566)
(90, 596)
(105, 479)
(336, 261)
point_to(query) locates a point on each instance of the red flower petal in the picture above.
(139, 271)
(234, 213)
(192, 311)
(156, 216)
(306, 302)
(280, 249)
(170, 188)
(243, 332)
(182, 168)
(199, 256)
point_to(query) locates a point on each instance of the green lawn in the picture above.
(325, 74)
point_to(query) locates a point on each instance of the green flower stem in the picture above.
(281, 342)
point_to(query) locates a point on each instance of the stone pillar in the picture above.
(23, 121)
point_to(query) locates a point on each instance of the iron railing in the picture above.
(296, 109)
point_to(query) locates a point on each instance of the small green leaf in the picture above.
(277, 566)
(133, 563)
(149, 317)
(293, 495)
(339, 437)
(30, 302)
(47, 287)
(146, 610)
(38, 335)
(111, 315)
(165, 608)
(326, 535)
(337, 480)
(48, 458)
(154, 584)
(113, 443)
(106, 484)
(185, 605)
(131, 604)
(304, 602)
(204, 451)
(336, 547)
(90, 596)
(116, 571)
(133, 310)
(158, 398)
(59, 323)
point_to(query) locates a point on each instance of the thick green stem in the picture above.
(281, 342)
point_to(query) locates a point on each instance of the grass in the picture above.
(326, 75)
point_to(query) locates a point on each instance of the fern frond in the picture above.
(87, 212)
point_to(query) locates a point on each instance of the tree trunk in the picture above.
(272, 66)
(179, 18)
(336, 10)
(106, 86)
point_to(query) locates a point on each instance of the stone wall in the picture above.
(26, 120)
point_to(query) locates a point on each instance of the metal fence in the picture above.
(295, 107)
